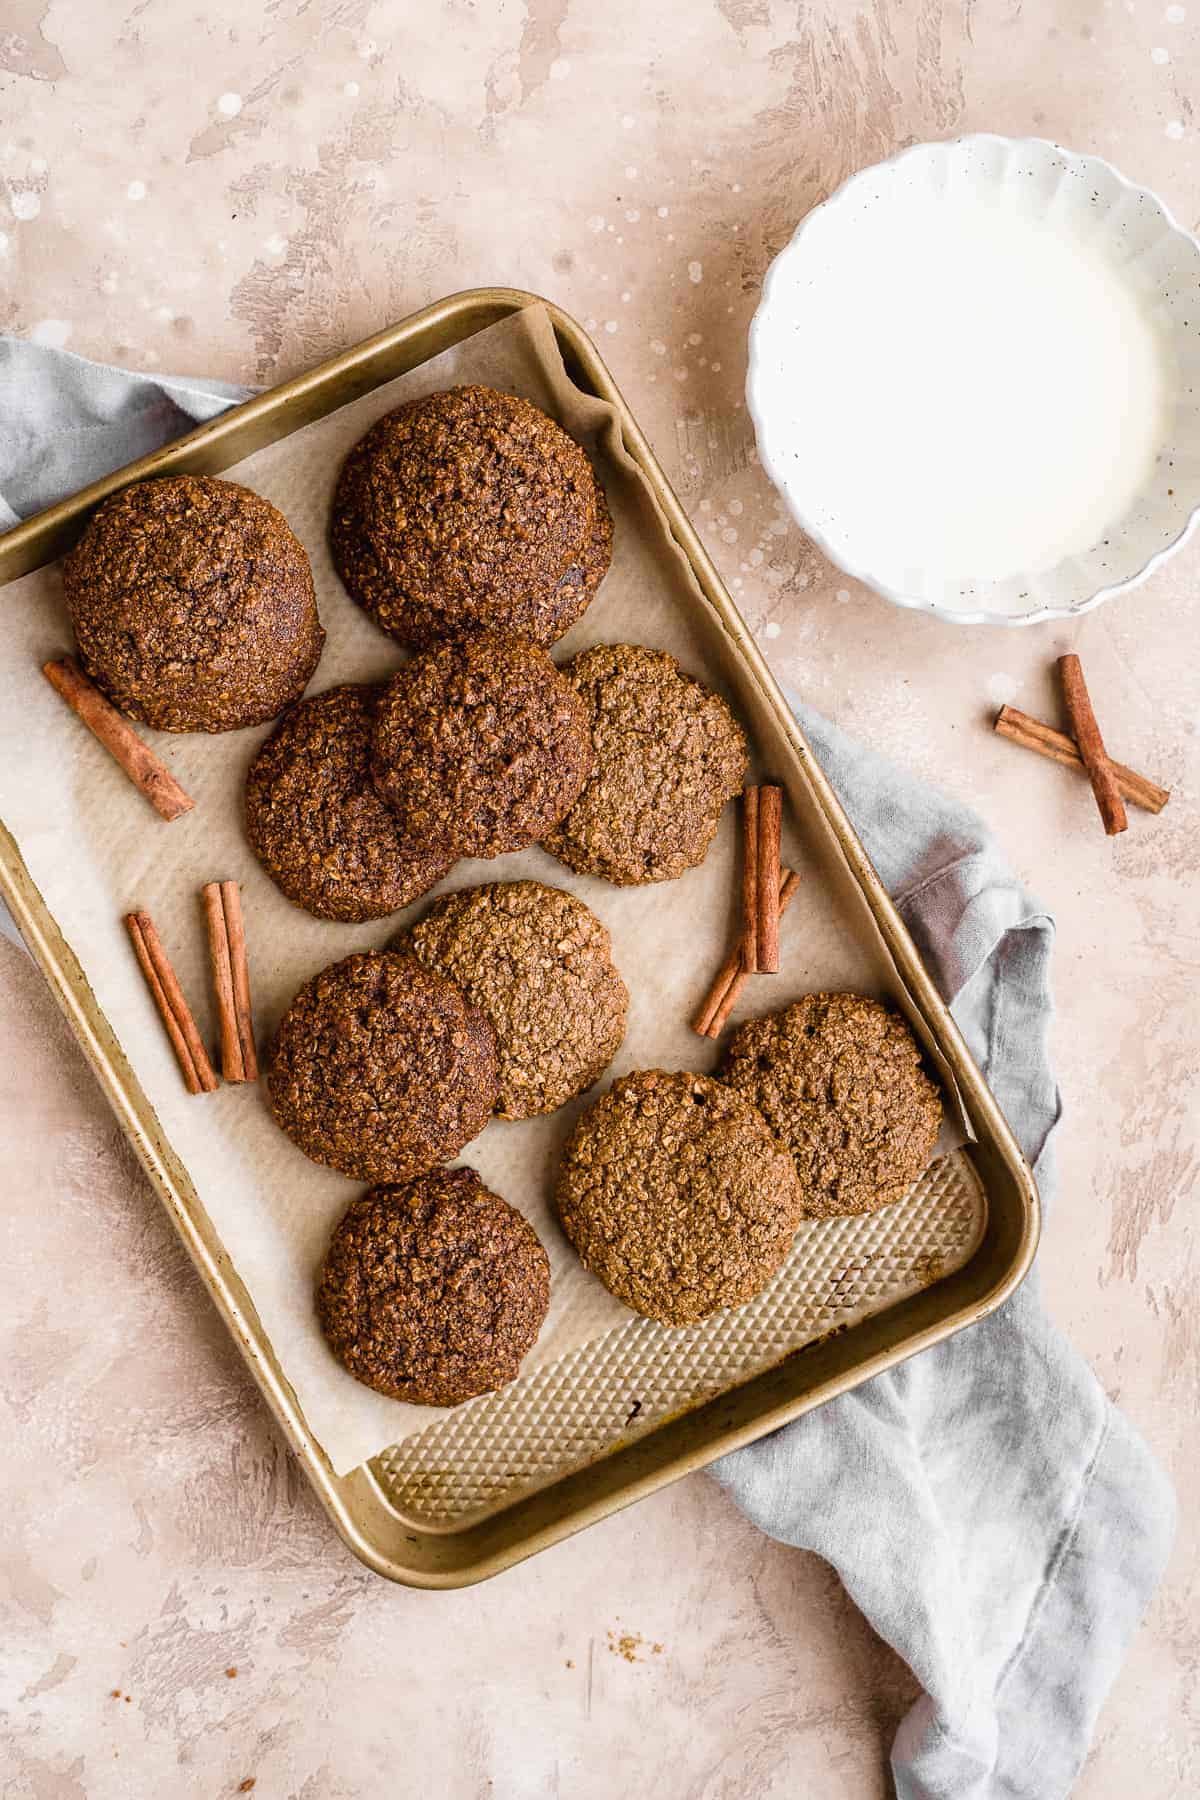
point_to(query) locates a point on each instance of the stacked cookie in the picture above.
(841, 1082)
(501, 999)
(471, 528)
(364, 797)
(676, 1196)
(667, 756)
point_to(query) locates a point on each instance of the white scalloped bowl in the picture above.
(1136, 233)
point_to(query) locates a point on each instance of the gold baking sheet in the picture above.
(259, 1209)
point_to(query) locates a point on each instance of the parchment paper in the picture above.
(96, 851)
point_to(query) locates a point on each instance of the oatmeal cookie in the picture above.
(470, 510)
(193, 605)
(539, 964)
(317, 825)
(433, 1291)
(676, 1196)
(382, 1068)
(839, 1080)
(669, 754)
(480, 747)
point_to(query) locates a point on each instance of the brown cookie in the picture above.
(382, 1068)
(839, 1080)
(193, 605)
(466, 511)
(317, 825)
(676, 1196)
(433, 1291)
(539, 964)
(480, 747)
(669, 754)
(578, 586)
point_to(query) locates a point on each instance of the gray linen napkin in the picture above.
(996, 1519)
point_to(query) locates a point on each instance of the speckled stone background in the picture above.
(241, 187)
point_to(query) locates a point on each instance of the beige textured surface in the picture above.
(240, 189)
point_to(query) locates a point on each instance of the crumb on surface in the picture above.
(627, 1644)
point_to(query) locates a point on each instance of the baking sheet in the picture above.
(96, 851)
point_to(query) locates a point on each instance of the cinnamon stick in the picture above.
(730, 978)
(1091, 745)
(770, 825)
(173, 1009)
(750, 880)
(1031, 734)
(231, 901)
(153, 780)
(222, 974)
